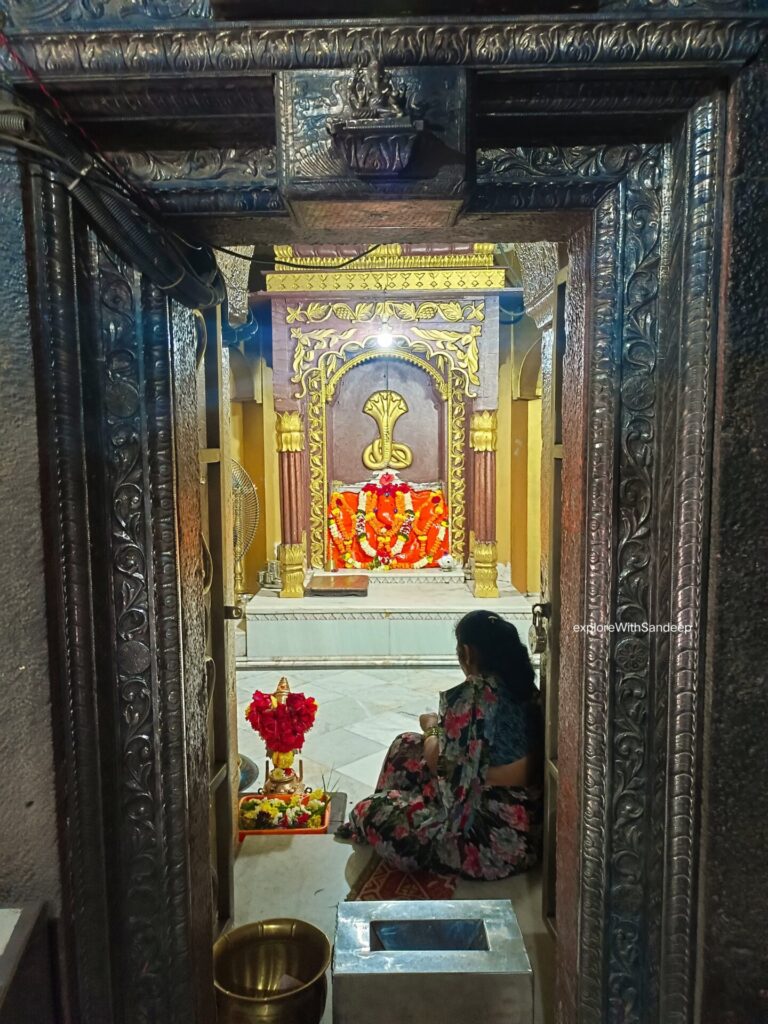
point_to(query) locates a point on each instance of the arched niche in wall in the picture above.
(420, 426)
(526, 360)
(241, 377)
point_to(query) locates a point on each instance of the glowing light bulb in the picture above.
(385, 340)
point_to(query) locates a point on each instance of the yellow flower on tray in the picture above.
(259, 813)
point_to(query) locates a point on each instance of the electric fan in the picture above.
(246, 511)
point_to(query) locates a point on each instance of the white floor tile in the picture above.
(317, 869)
(355, 683)
(385, 727)
(252, 745)
(339, 747)
(354, 788)
(366, 769)
(336, 713)
(413, 703)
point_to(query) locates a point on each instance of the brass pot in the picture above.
(271, 971)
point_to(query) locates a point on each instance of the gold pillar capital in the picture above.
(486, 569)
(289, 431)
(483, 431)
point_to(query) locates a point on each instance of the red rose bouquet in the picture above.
(282, 724)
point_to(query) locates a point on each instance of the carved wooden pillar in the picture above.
(482, 440)
(290, 447)
(139, 446)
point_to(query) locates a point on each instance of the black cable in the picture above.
(34, 148)
(117, 209)
(132, 231)
(57, 112)
(54, 162)
(298, 266)
(126, 189)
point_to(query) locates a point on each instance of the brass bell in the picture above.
(537, 632)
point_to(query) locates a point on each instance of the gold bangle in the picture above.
(433, 730)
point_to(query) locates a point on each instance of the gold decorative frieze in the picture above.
(393, 256)
(289, 432)
(486, 578)
(402, 355)
(386, 407)
(457, 487)
(483, 432)
(441, 348)
(424, 279)
(318, 465)
(292, 570)
(458, 348)
(408, 312)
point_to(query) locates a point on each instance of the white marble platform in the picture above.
(404, 577)
(9, 918)
(397, 623)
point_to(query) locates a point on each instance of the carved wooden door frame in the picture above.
(113, 361)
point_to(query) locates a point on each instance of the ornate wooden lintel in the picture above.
(525, 43)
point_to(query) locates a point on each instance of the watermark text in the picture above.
(630, 627)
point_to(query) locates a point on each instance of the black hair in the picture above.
(499, 652)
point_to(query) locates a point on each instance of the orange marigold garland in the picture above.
(388, 524)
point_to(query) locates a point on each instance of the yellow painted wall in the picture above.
(518, 470)
(533, 497)
(236, 414)
(271, 469)
(253, 445)
(253, 460)
(518, 507)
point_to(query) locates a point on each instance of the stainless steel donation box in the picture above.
(430, 962)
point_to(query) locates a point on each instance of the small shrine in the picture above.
(385, 376)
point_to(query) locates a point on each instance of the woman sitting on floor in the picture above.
(464, 796)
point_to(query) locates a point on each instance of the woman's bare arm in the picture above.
(431, 752)
(428, 721)
(513, 775)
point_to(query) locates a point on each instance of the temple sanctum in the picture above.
(397, 426)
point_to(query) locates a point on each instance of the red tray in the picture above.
(320, 830)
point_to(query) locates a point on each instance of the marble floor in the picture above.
(360, 712)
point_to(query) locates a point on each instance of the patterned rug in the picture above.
(379, 881)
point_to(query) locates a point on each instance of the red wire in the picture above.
(67, 117)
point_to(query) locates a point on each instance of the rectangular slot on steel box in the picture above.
(447, 934)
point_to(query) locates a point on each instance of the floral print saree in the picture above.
(451, 821)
